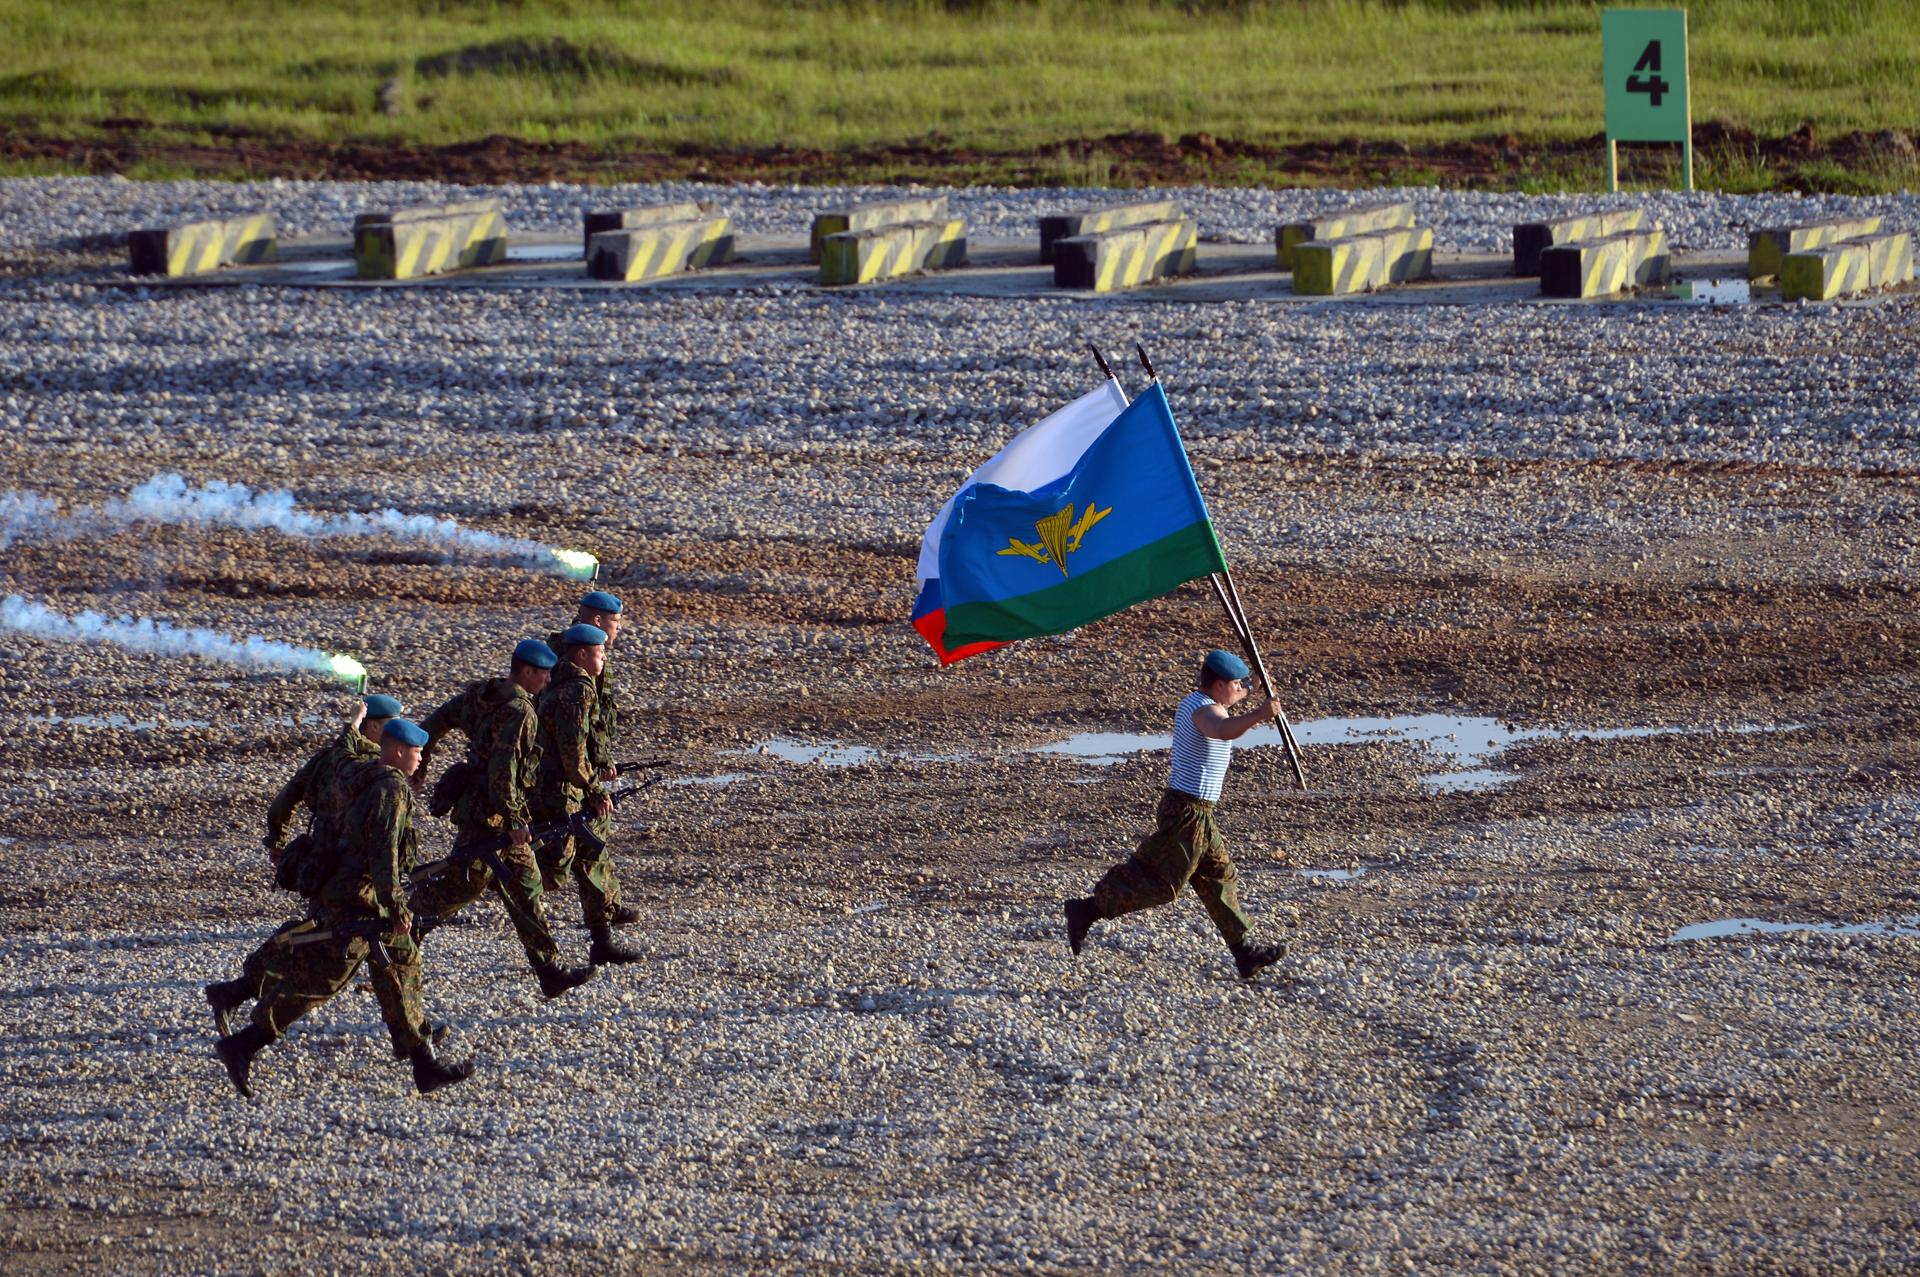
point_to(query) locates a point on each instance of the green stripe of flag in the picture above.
(1147, 573)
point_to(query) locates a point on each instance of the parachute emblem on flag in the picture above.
(1059, 535)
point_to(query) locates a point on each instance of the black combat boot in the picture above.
(430, 1075)
(556, 979)
(1081, 915)
(237, 1050)
(625, 916)
(607, 950)
(435, 1034)
(225, 998)
(1250, 958)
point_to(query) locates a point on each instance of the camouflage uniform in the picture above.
(378, 846)
(318, 785)
(573, 754)
(1184, 847)
(497, 717)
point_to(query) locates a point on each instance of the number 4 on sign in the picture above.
(1653, 86)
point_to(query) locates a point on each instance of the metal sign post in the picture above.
(1644, 64)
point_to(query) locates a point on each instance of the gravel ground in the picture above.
(856, 1047)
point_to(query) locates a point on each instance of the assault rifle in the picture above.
(375, 931)
(641, 765)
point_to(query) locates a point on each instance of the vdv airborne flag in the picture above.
(1038, 455)
(1125, 523)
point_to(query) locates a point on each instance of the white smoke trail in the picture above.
(167, 498)
(22, 512)
(141, 634)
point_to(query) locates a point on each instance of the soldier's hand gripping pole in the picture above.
(1229, 598)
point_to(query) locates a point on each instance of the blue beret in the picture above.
(601, 601)
(1221, 663)
(405, 732)
(382, 707)
(583, 635)
(535, 653)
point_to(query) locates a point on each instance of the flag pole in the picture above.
(1229, 596)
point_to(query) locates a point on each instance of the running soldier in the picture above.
(605, 612)
(487, 796)
(318, 785)
(363, 899)
(570, 780)
(1185, 845)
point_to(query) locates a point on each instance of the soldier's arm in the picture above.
(296, 791)
(506, 791)
(438, 724)
(573, 737)
(382, 828)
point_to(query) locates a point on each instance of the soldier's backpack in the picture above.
(453, 785)
(304, 866)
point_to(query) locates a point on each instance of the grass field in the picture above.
(990, 77)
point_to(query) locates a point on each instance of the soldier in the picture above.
(378, 845)
(570, 779)
(489, 794)
(604, 611)
(1185, 845)
(317, 785)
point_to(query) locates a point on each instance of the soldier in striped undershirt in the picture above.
(1185, 845)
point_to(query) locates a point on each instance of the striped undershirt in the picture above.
(1199, 762)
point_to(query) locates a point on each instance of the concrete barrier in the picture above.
(1356, 263)
(1530, 239)
(866, 217)
(1596, 267)
(199, 247)
(1105, 217)
(619, 219)
(1850, 266)
(663, 248)
(1341, 224)
(407, 243)
(887, 252)
(1127, 256)
(1766, 248)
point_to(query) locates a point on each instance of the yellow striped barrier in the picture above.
(872, 216)
(619, 219)
(1363, 219)
(1596, 267)
(1850, 266)
(1125, 257)
(1357, 263)
(199, 247)
(1107, 217)
(1766, 248)
(1530, 239)
(888, 252)
(408, 243)
(667, 248)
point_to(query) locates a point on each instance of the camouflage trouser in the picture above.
(592, 870)
(301, 977)
(1183, 848)
(275, 950)
(449, 891)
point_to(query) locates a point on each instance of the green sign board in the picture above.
(1644, 64)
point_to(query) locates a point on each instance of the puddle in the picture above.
(545, 252)
(1908, 926)
(724, 778)
(833, 754)
(1335, 875)
(123, 723)
(342, 269)
(1461, 743)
